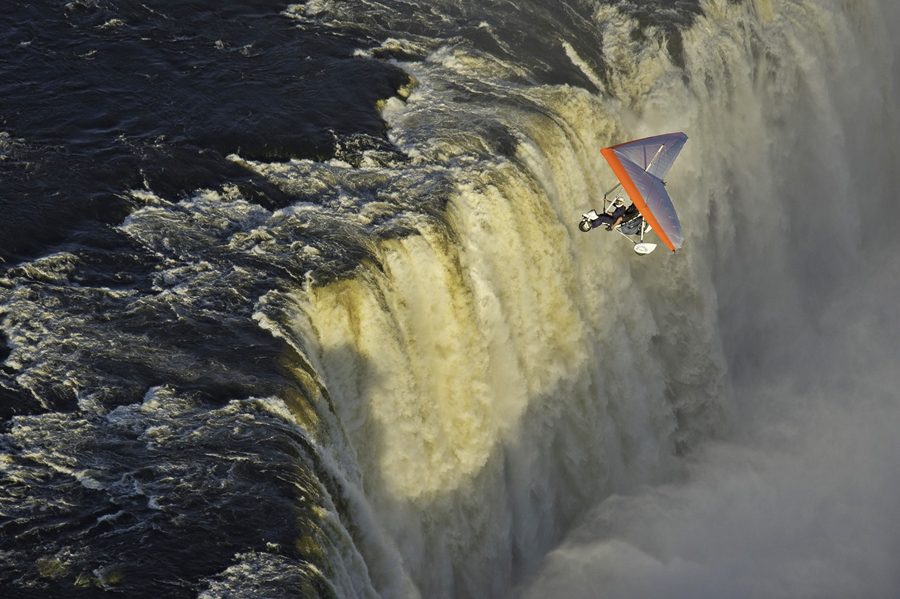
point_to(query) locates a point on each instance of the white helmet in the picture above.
(619, 201)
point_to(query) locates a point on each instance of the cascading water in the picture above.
(498, 371)
(498, 374)
(430, 378)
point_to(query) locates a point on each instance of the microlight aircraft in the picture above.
(640, 166)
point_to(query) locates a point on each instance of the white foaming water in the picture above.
(499, 373)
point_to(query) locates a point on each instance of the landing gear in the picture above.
(644, 248)
(587, 221)
(641, 247)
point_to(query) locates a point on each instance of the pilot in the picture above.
(611, 219)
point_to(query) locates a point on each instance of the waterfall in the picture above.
(497, 372)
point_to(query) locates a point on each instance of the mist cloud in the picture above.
(810, 509)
